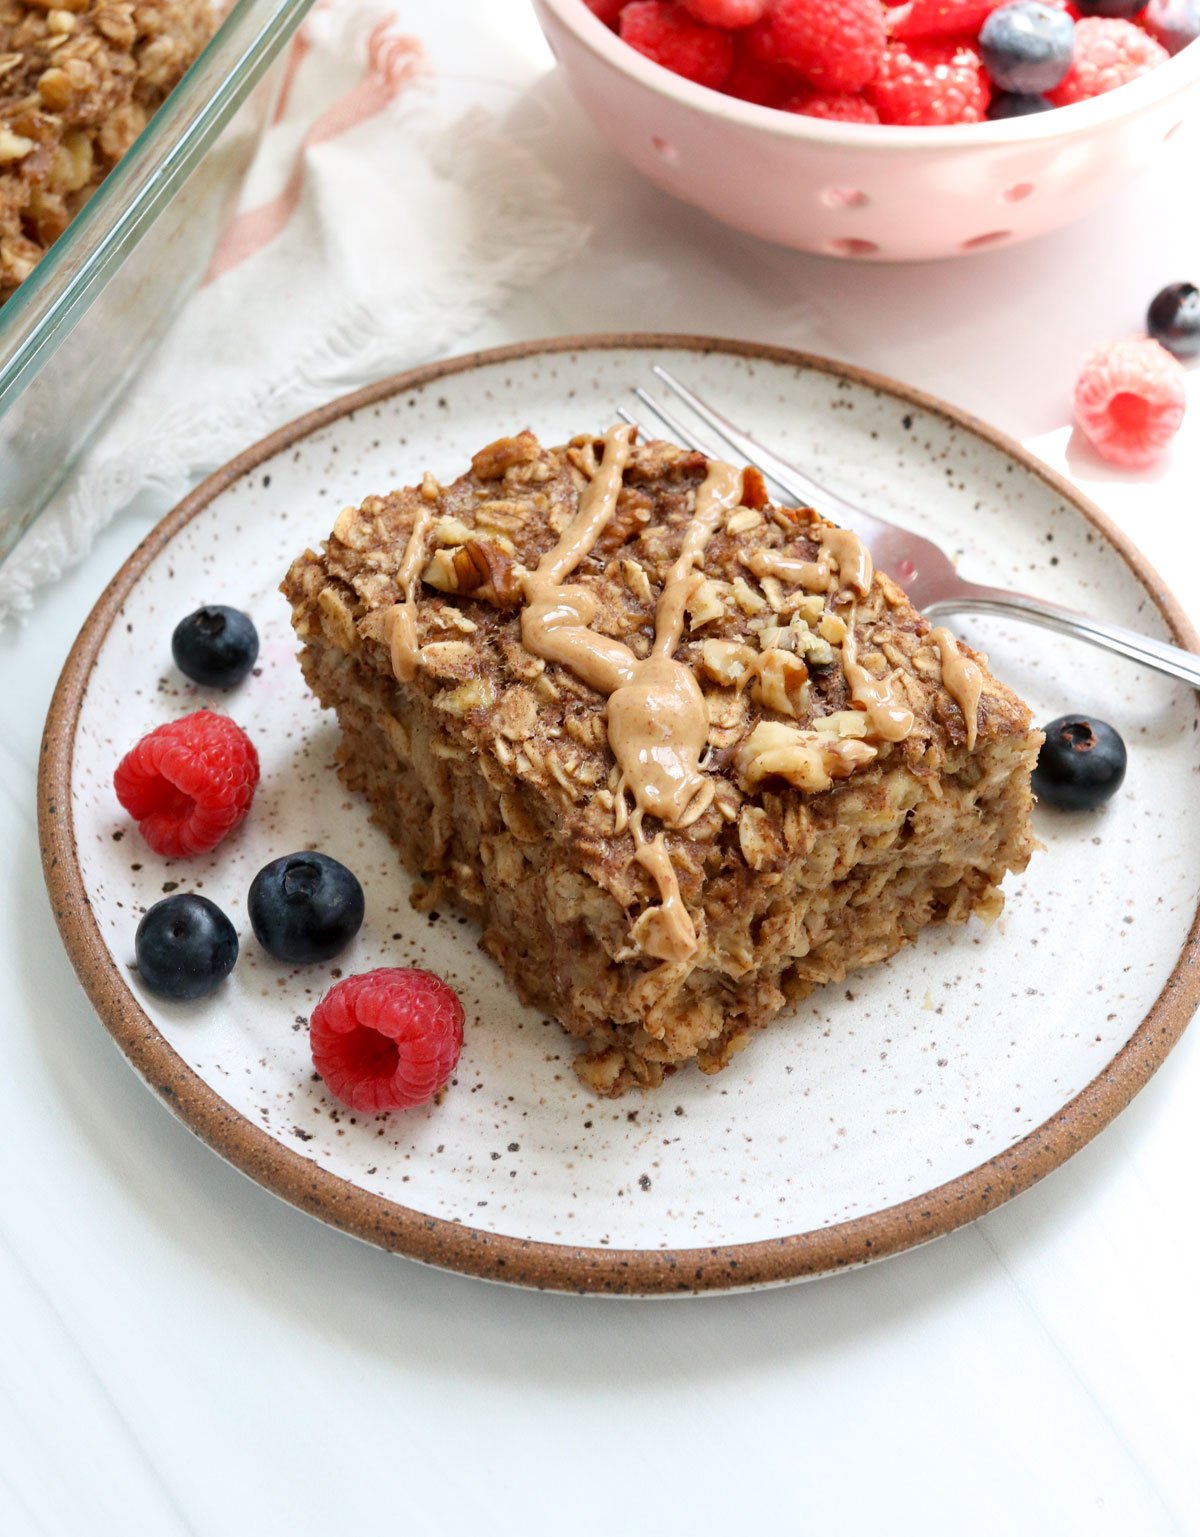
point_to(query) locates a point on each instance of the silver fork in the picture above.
(921, 567)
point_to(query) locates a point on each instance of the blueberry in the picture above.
(1173, 23)
(185, 947)
(1081, 764)
(1127, 9)
(305, 907)
(1006, 104)
(1174, 319)
(1027, 47)
(216, 646)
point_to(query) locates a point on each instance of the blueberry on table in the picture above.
(216, 646)
(185, 947)
(1006, 104)
(1028, 47)
(1174, 319)
(1081, 764)
(305, 907)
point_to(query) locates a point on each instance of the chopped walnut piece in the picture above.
(447, 531)
(810, 760)
(727, 712)
(727, 662)
(706, 603)
(749, 601)
(13, 146)
(813, 648)
(832, 628)
(344, 524)
(74, 161)
(477, 568)
(849, 723)
(500, 517)
(490, 463)
(743, 520)
(637, 581)
(773, 592)
(754, 489)
(582, 454)
(780, 684)
(633, 513)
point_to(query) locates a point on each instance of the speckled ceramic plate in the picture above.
(880, 1114)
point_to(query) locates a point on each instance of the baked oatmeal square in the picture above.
(681, 751)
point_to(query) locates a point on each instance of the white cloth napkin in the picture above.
(376, 229)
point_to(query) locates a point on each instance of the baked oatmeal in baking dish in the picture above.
(79, 80)
(682, 752)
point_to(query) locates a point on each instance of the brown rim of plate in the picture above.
(499, 1257)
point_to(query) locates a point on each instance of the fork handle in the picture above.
(970, 598)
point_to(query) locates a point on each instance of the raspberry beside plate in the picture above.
(1130, 400)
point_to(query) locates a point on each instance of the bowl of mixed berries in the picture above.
(863, 128)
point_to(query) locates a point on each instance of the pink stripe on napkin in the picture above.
(393, 59)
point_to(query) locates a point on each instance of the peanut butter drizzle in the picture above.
(963, 679)
(401, 621)
(657, 717)
(668, 931)
(720, 494)
(658, 721)
(891, 720)
(841, 550)
(657, 729)
(554, 626)
(812, 575)
(554, 623)
(596, 507)
(851, 555)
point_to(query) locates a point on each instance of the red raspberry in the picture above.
(1108, 53)
(725, 13)
(669, 36)
(836, 108)
(929, 84)
(834, 44)
(941, 18)
(764, 84)
(606, 10)
(958, 19)
(387, 1039)
(188, 783)
(1130, 400)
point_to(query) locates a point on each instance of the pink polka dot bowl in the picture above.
(857, 190)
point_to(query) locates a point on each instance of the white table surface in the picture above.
(183, 1353)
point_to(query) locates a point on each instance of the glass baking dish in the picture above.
(99, 300)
